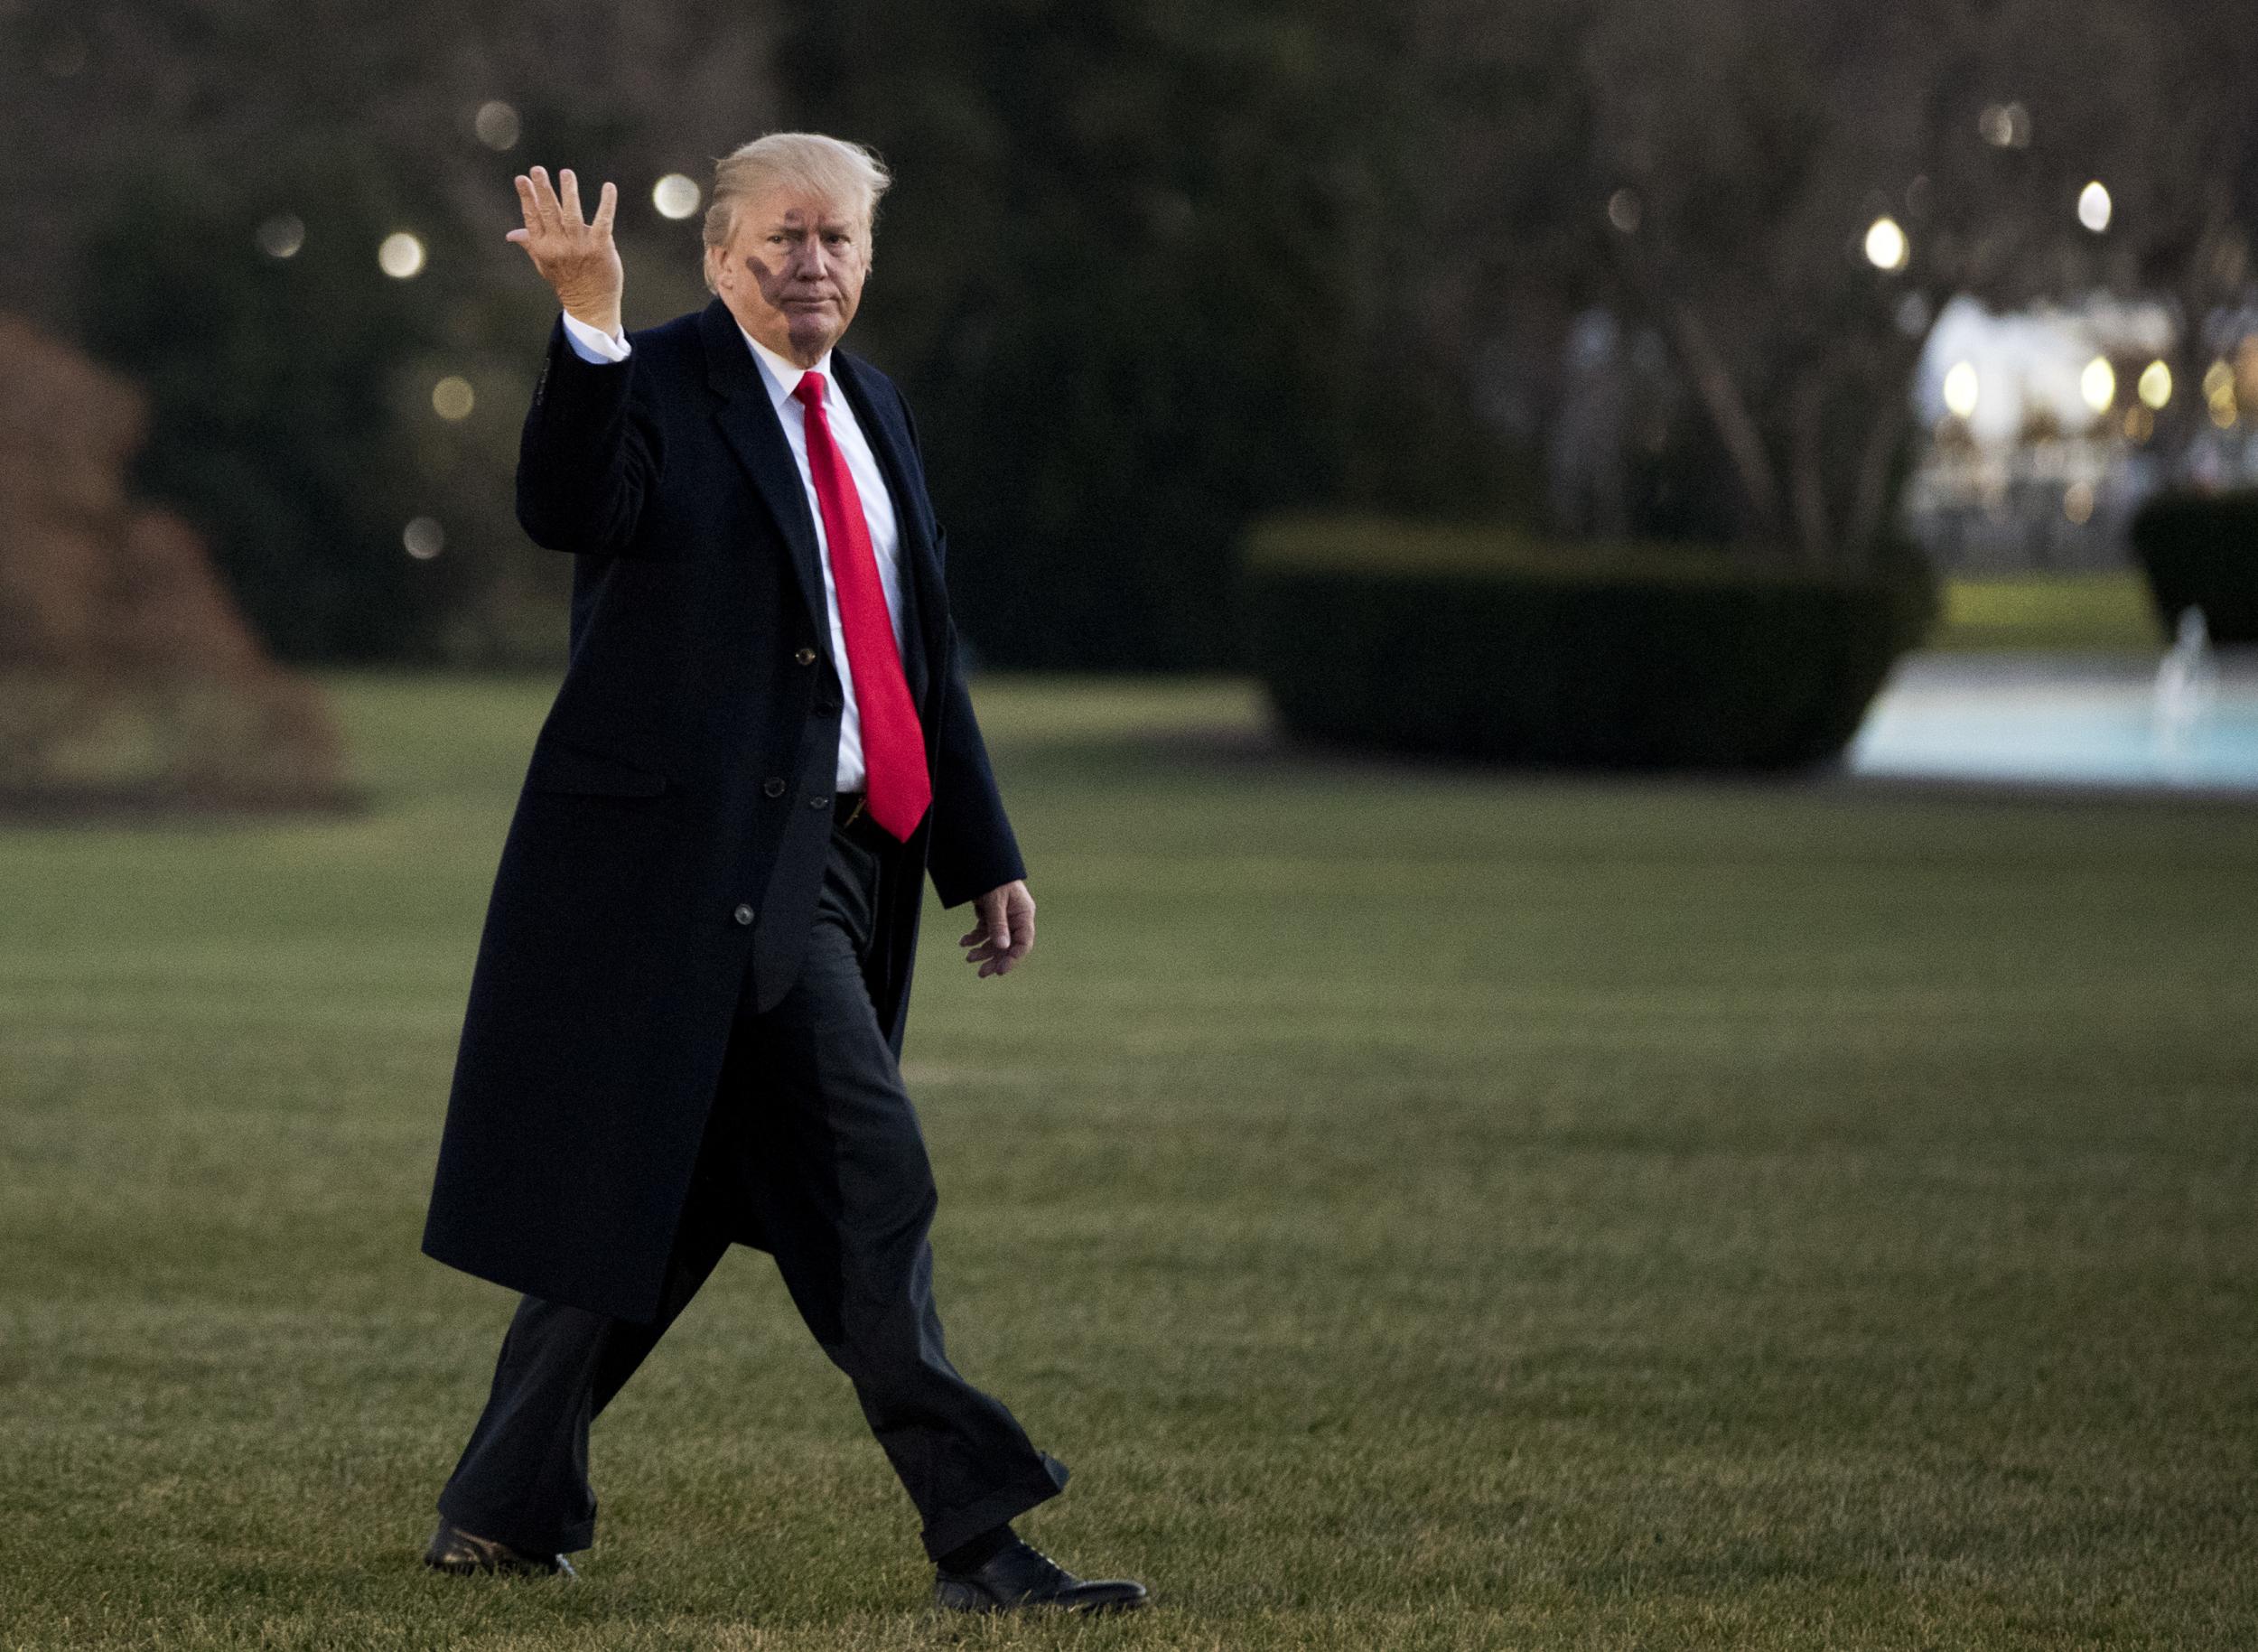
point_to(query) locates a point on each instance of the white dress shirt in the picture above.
(782, 377)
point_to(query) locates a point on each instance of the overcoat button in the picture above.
(806, 657)
(743, 914)
(773, 787)
(818, 803)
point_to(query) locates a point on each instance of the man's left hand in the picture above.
(1005, 930)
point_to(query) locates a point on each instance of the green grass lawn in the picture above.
(1427, 1209)
(2095, 613)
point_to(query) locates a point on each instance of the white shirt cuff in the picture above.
(591, 345)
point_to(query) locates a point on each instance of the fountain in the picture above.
(2187, 723)
(2186, 688)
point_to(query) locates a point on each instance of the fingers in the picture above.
(987, 911)
(1020, 942)
(545, 202)
(528, 204)
(1005, 934)
(989, 938)
(557, 210)
(1003, 962)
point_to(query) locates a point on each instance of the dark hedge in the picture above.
(1482, 642)
(2201, 551)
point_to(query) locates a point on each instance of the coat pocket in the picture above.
(558, 767)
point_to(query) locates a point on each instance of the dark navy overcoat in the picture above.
(671, 833)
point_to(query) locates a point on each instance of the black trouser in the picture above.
(813, 1131)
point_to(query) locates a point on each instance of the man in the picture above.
(684, 1024)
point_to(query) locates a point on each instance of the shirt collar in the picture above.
(783, 376)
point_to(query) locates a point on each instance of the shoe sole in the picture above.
(466, 1566)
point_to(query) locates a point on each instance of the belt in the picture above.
(851, 815)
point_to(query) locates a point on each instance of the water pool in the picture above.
(2064, 721)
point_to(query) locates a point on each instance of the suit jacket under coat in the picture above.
(682, 779)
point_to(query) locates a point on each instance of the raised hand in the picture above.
(574, 256)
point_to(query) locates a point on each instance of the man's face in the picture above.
(792, 273)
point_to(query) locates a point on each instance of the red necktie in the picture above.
(894, 743)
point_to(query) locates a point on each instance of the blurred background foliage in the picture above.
(1170, 263)
(278, 389)
(181, 147)
(1153, 271)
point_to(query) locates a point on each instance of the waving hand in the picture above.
(574, 256)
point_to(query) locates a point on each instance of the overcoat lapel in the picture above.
(748, 420)
(928, 592)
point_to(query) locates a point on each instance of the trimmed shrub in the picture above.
(2201, 551)
(1483, 642)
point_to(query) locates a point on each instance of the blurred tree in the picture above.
(275, 430)
(1150, 270)
(175, 144)
(1735, 164)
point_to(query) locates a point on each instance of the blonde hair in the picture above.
(843, 175)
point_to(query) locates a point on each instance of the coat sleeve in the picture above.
(973, 849)
(588, 457)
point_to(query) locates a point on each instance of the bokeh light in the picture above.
(2246, 371)
(1886, 245)
(2098, 384)
(281, 236)
(2155, 386)
(497, 125)
(401, 257)
(1962, 389)
(424, 538)
(2005, 125)
(675, 195)
(2219, 393)
(1624, 211)
(2077, 502)
(452, 398)
(2094, 206)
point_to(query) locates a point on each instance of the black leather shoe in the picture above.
(452, 1549)
(1021, 1576)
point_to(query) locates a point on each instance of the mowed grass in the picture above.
(1427, 1209)
(2106, 612)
